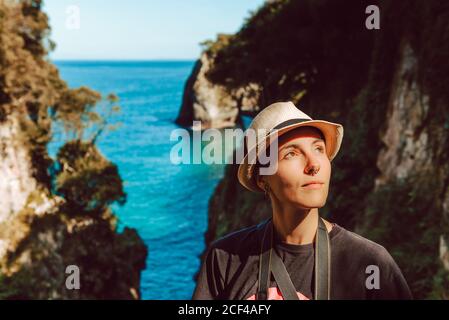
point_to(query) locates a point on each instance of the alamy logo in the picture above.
(73, 21)
(373, 279)
(188, 148)
(373, 20)
(72, 282)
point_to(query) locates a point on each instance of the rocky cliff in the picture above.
(55, 213)
(215, 105)
(388, 88)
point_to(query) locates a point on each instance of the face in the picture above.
(302, 159)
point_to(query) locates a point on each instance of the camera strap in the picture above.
(270, 262)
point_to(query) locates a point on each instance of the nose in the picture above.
(313, 165)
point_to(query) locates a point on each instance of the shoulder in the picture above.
(354, 245)
(357, 255)
(241, 241)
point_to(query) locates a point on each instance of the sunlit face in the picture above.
(302, 159)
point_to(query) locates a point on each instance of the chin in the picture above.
(311, 203)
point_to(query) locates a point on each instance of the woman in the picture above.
(295, 254)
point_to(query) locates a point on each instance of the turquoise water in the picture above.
(166, 203)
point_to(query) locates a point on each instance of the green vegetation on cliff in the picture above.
(67, 219)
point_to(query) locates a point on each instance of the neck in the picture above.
(295, 226)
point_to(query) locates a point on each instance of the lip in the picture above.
(312, 185)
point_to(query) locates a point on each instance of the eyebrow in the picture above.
(294, 145)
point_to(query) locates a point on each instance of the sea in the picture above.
(167, 202)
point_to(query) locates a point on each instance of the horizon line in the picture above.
(121, 60)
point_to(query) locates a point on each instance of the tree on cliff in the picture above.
(82, 231)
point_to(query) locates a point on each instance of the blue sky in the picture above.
(141, 29)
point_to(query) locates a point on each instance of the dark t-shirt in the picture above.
(360, 268)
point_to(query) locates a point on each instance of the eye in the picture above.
(289, 155)
(320, 149)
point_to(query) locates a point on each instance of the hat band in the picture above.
(289, 122)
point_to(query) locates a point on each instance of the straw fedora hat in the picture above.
(281, 117)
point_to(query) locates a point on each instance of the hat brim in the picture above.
(333, 135)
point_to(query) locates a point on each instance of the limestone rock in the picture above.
(214, 105)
